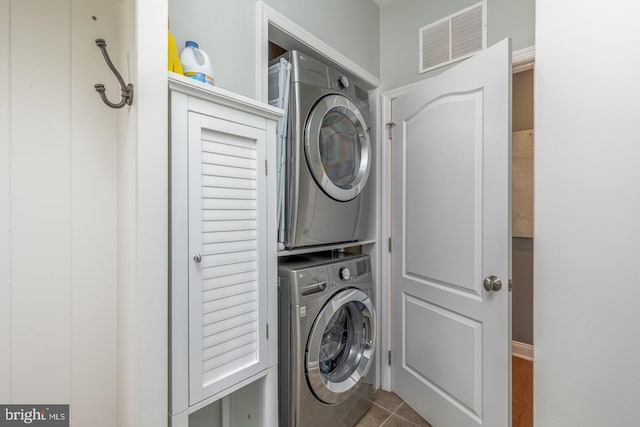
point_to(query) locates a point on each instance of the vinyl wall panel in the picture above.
(40, 201)
(93, 212)
(5, 209)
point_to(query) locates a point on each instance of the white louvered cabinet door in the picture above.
(228, 251)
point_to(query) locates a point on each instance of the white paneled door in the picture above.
(451, 155)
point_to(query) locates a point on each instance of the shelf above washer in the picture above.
(321, 248)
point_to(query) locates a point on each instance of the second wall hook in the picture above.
(127, 89)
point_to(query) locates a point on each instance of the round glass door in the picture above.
(337, 147)
(340, 346)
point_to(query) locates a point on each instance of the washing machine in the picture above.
(329, 156)
(327, 339)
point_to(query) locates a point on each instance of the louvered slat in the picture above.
(228, 171)
(228, 214)
(228, 193)
(231, 362)
(209, 331)
(228, 291)
(435, 44)
(225, 270)
(228, 335)
(218, 316)
(230, 258)
(466, 33)
(211, 204)
(221, 248)
(453, 38)
(229, 149)
(228, 138)
(224, 160)
(236, 355)
(228, 303)
(228, 346)
(227, 182)
(230, 280)
(213, 226)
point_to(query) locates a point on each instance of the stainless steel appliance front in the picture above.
(327, 337)
(330, 154)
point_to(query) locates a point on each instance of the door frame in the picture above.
(522, 60)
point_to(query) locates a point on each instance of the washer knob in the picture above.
(343, 82)
(345, 273)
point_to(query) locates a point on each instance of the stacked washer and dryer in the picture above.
(327, 320)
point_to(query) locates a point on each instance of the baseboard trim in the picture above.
(522, 350)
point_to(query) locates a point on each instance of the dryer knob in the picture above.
(343, 82)
(345, 273)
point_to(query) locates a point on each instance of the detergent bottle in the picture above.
(173, 57)
(195, 63)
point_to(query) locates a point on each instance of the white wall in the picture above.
(57, 208)
(226, 30)
(143, 218)
(401, 19)
(587, 213)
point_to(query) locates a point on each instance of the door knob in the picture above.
(492, 283)
(197, 258)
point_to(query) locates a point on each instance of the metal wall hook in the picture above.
(127, 89)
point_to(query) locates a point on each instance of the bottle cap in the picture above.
(190, 43)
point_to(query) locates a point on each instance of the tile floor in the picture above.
(389, 410)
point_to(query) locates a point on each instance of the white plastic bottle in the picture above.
(195, 63)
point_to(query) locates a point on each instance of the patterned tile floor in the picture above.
(389, 410)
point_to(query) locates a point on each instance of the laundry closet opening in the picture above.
(522, 246)
(328, 280)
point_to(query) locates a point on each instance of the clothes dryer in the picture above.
(329, 156)
(327, 338)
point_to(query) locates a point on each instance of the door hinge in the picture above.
(390, 127)
(389, 244)
(266, 169)
(267, 330)
(389, 358)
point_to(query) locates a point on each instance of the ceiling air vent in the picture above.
(453, 38)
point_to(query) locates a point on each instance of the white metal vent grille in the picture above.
(453, 38)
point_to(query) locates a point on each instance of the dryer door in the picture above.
(338, 148)
(341, 345)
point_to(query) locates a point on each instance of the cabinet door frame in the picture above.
(198, 124)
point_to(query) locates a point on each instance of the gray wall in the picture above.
(226, 30)
(522, 248)
(351, 27)
(401, 19)
(522, 296)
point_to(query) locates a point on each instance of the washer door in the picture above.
(341, 345)
(338, 148)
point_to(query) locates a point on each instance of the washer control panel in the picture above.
(344, 273)
(312, 280)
